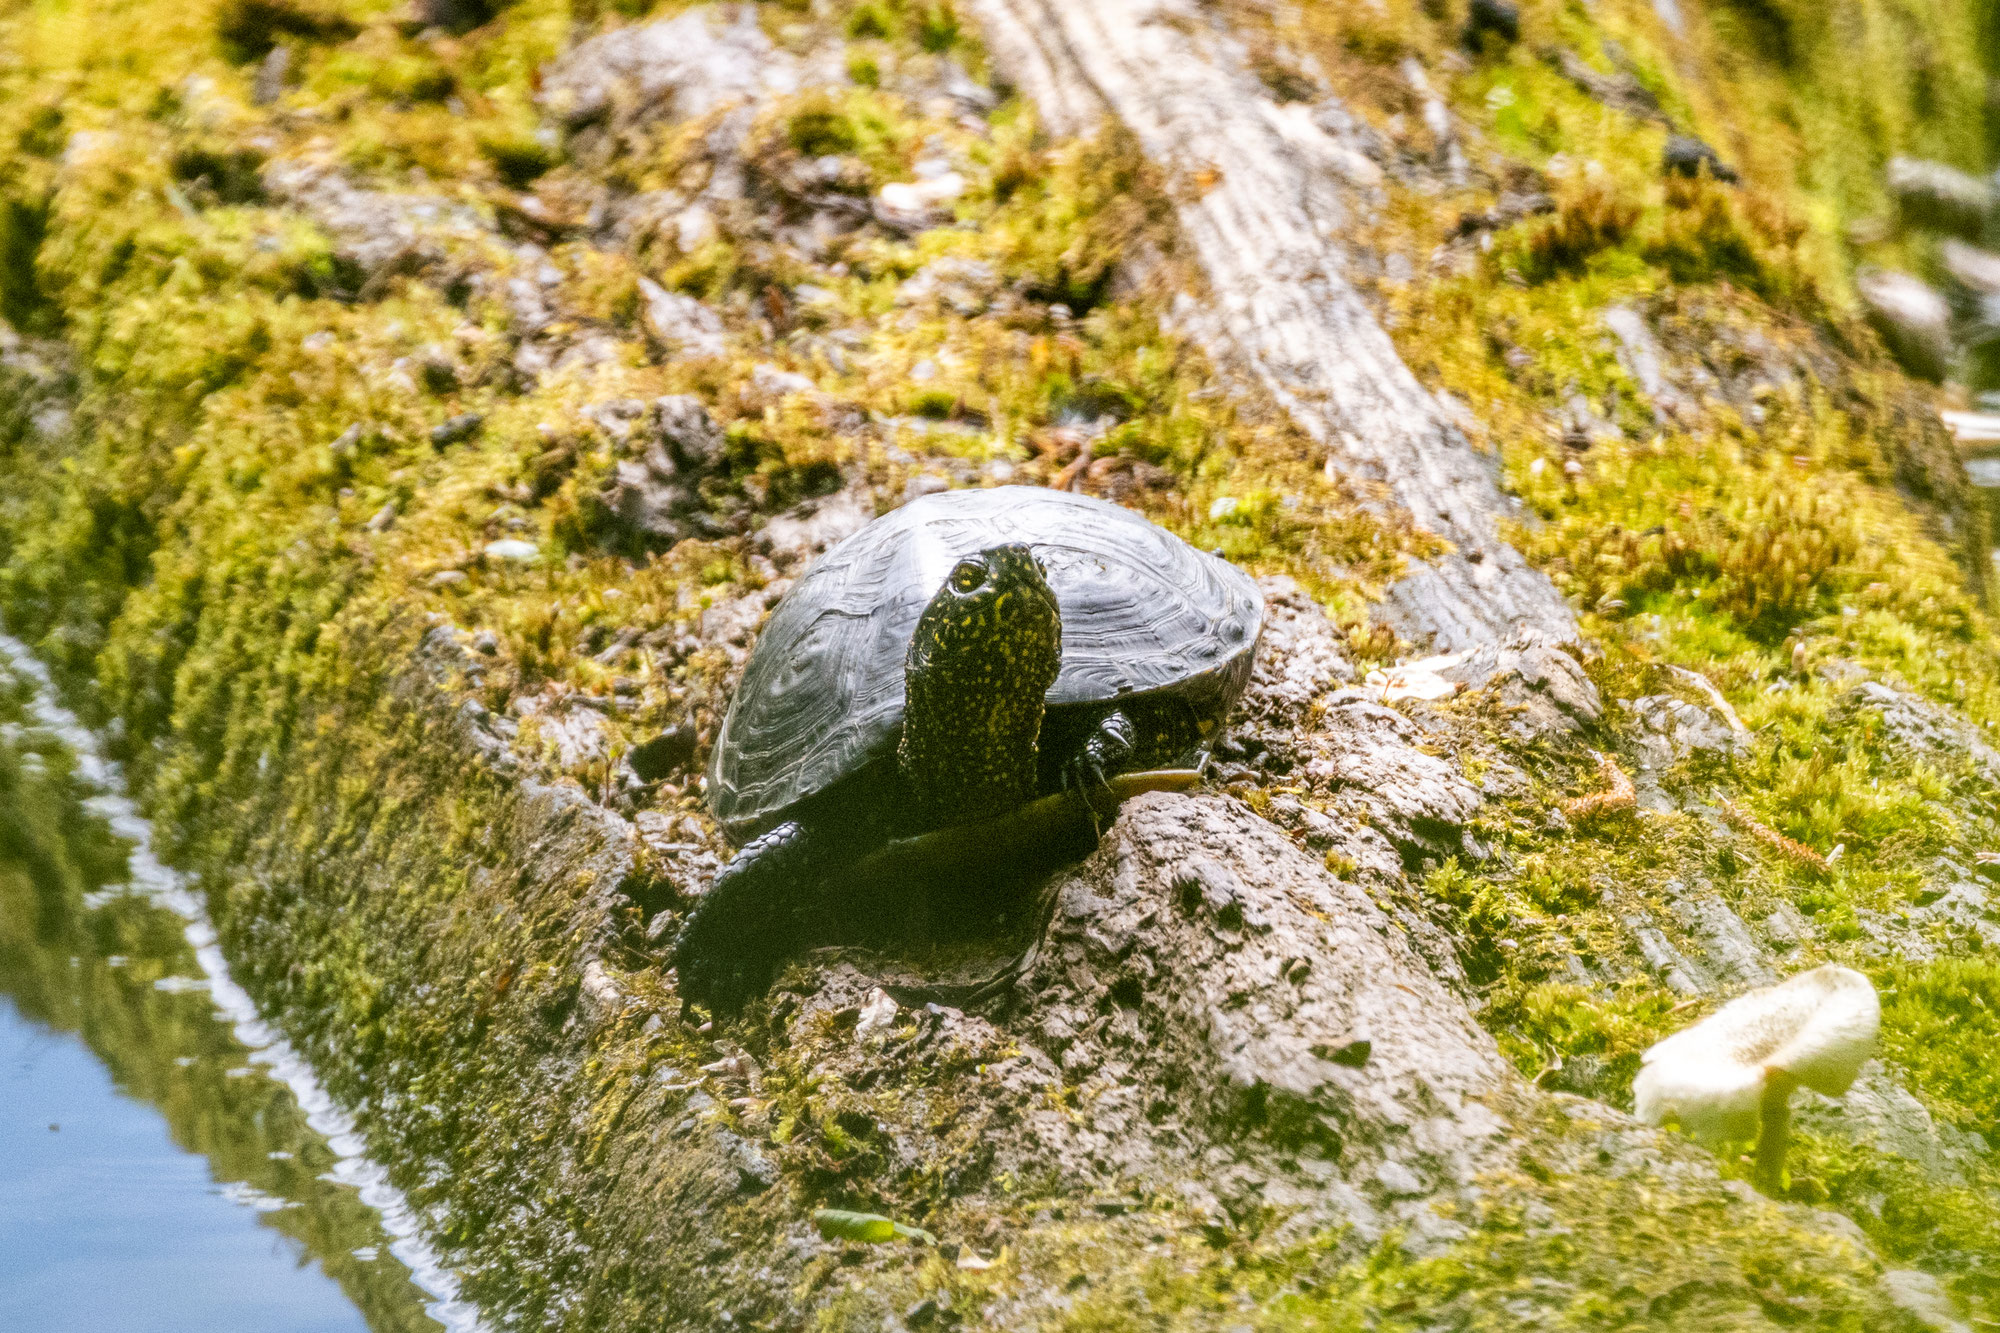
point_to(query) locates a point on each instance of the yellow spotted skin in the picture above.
(983, 656)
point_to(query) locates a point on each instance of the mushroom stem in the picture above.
(1774, 1131)
(1732, 1075)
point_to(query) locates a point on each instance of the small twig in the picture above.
(1738, 732)
(1066, 479)
(1618, 798)
(1796, 852)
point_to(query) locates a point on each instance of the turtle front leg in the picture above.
(1108, 749)
(1146, 732)
(754, 916)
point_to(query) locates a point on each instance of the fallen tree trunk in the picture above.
(1261, 197)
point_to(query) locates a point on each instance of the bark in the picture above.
(1275, 1006)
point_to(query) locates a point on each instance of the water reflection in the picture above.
(108, 1033)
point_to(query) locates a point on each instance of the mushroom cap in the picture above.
(1818, 1029)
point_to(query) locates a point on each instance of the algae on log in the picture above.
(1259, 193)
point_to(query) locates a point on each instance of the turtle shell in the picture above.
(822, 697)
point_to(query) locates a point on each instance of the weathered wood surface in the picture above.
(1260, 192)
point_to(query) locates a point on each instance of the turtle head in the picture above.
(985, 652)
(991, 603)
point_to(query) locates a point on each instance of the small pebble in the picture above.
(512, 548)
(461, 427)
(1688, 156)
(877, 1015)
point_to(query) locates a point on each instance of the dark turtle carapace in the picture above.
(951, 662)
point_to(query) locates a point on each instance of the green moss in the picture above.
(519, 159)
(1615, 1259)
(1591, 217)
(24, 224)
(1913, 1218)
(1939, 1020)
(862, 69)
(196, 550)
(870, 20)
(937, 26)
(820, 129)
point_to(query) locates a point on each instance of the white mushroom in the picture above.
(1730, 1077)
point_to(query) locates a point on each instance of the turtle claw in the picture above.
(1107, 751)
(1085, 776)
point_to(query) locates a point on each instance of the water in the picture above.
(167, 1163)
(107, 1222)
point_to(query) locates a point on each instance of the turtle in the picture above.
(952, 661)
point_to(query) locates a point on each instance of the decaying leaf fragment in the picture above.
(1617, 798)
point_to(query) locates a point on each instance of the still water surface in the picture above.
(150, 1178)
(158, 1170)
(107, 1223)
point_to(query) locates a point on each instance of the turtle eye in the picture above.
(968, 576)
